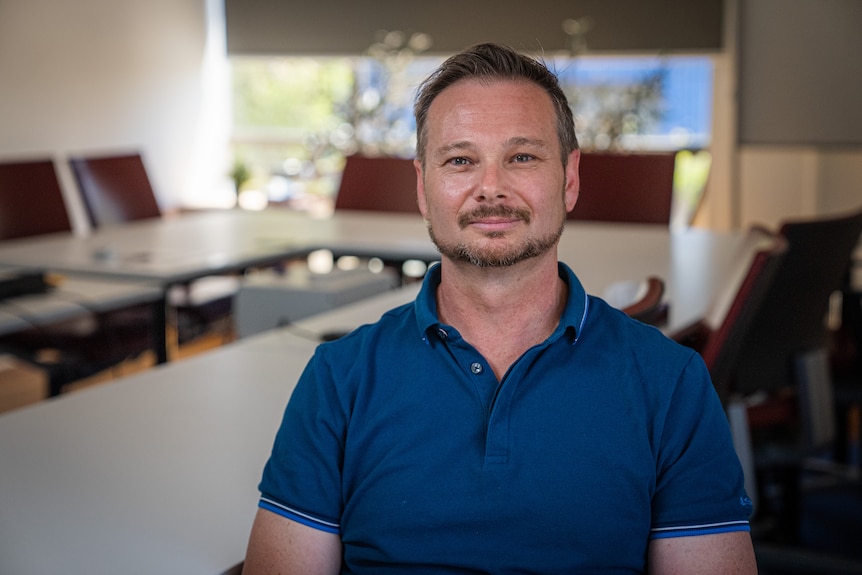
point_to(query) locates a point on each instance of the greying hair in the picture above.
(490, 62)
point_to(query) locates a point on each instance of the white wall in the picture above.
(839, 180)
(108, 75)
(780, 183)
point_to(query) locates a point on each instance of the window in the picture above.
(295, 119)
(640, 103)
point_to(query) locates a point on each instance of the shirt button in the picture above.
(442, 333)
(476, 368)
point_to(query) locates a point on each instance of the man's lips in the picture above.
(494, 218)
(494, 223)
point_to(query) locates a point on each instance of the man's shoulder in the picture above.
(606, 321)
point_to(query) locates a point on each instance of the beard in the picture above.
(490, 256)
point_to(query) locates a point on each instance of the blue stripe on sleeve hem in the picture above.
(299, 517)
(707, 529)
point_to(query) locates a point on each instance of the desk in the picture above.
(76, 298)
(177, 249)
(173, 250)
(72, 298)
(156, 472)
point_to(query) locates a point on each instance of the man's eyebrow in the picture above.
(447, 149)
(529, 142)
(462, 145)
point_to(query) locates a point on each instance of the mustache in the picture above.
(497, 211)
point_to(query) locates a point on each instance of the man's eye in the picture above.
(523, 157)
(459, 161)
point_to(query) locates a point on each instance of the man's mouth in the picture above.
(494, 218)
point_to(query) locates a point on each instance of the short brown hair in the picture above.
(489, 62)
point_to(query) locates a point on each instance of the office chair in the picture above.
(792, 318)
(718, 336)
(625, 187)
(31, 204)
(382, 184)
(116, 189)
(648, 305)
(787, 386)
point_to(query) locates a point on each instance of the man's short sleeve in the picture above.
(700, 486)
(302, 479)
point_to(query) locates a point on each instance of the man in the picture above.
(504, 422)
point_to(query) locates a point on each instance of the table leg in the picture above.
(160, 330)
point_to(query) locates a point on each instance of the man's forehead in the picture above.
(471, 102)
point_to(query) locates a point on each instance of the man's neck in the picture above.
(502, 311)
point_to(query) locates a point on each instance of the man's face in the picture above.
(493, 189)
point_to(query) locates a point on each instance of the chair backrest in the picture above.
(731, 316)
(383, 184)
(31, 201)
(649, 307)
(623, 187)
(115, 189)
(792, 317)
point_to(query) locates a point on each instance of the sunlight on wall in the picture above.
(208, 182)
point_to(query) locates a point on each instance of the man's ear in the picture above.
(573, 180)
(420, 188)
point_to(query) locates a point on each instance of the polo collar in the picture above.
(571, 322)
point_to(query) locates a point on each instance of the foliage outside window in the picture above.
(295, 119)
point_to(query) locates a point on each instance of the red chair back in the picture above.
(719, 335)
(622, 187)
(31, 202)
(722, 348)
(381, 184)
(115, 189)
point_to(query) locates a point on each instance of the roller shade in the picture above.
(331, 27)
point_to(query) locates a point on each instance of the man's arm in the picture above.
(719, 554)
(279, 545)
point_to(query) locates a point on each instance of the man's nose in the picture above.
(492, 183)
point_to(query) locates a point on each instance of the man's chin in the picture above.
(494, 258)
(494, 250)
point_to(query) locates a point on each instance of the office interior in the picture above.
(104, 75)
(100, 76)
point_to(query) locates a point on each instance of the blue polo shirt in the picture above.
(399, 438)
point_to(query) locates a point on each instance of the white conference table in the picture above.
(173, 250)
(157, 472)
(72, 298)
(181, 248)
